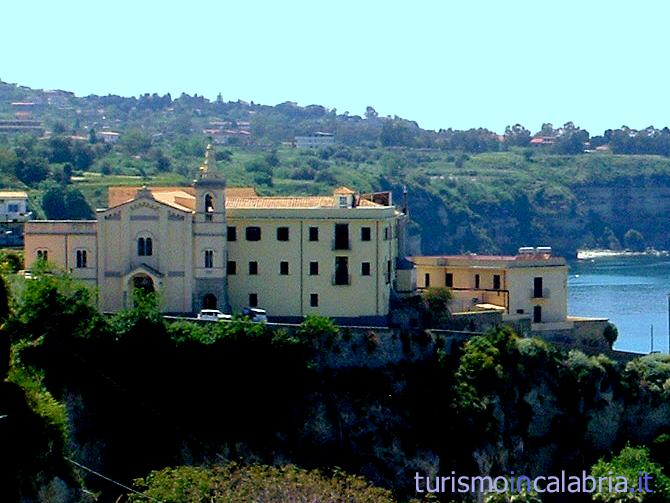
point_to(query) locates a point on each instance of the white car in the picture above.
(213, 315)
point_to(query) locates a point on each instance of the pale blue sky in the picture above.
(444, 64)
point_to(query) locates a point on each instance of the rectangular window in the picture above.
(81, 259)
(253, 300)
(282, 233)
(209, 259)
(343, 201)
(13, 208)
(313, 233)
(365, 269)
(386, 233)
(426, 280)
(253, 268)
(232, 233)
(313, 268)
(231, 267)
(537, 314)
(537, 288)
(314, 300)
(253, 233)
(341, 271)
(477, 281)
(388, 271)
(366, 233)
(144, 247)
(448, 279)
(496, 281)
(341, 237)
(283, 268)
(208, 217)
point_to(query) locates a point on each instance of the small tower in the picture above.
(210, 253)
(210, 189)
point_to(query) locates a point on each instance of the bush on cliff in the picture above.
(248, 484)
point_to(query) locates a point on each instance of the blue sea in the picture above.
(631, 291)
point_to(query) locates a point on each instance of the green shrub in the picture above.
(256, 483)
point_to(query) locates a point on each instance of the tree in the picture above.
(76, 206)
(53, 203)
(626, 468)
(52, 304)
(611, 334)
(436, 301)
(60, 149)
(32, 170)
(395, 134)
(272, 159)
(371, 113)
(82, 155)
(67, 173)
(135, 142)
(61, 203)
(547, 129)
(517, 136)
(160, 159)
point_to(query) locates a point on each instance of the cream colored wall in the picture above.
(62, 239)
(554, 281)
(178, 257)
(171, 232)
(463, 277)
(515, 277)
(290, 295)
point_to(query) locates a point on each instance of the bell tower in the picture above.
(210, 189)
(210, 254)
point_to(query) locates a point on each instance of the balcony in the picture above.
(341, 244)
(341, 279)
(540, 294)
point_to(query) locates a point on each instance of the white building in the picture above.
(14, 206)
(109, 136)
(316, 140)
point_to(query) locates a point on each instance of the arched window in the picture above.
(42, 255)
(209, 259)
(81, 259)
(209, 203)
(144, 247)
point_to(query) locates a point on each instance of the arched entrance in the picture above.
(144, 283)
(209, 301)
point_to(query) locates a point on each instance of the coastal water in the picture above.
(631, 291)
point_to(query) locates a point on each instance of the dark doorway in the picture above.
(144, 283)
(537, 314)
(209, 301)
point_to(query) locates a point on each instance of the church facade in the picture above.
(209, 246)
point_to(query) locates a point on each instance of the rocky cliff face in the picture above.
(583, 216)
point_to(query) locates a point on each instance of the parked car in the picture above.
(213, 315)
(256, 314)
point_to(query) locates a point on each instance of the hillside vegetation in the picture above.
(131, 394)
(468, 190)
